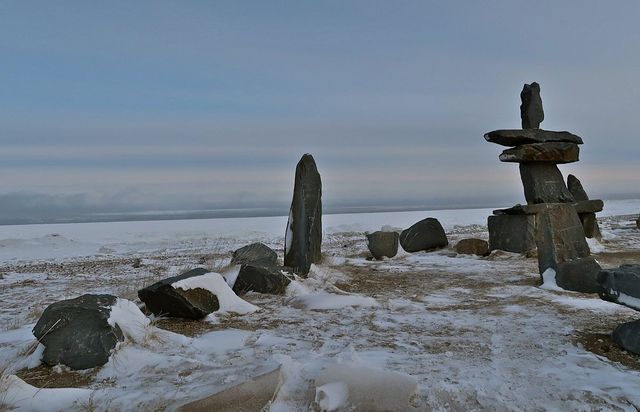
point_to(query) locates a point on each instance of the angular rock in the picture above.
(162, 299)
(517, 137)
(427, 234)
(261, 279)
(75, 332)
(304, 228)
(255, 253)
(472, 246)
(638, 222)
(512, 233)
(579, 275)
(543, 183)
(590, 225)
(627, 335)
(531, 111)
(383, 244)
(585, 206)
(552, 152)
(560, 240)
(575, 187)
(621, 285)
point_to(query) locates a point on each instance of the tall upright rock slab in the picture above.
(531, 111)
(304, 228)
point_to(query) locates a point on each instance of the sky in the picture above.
(155, 105)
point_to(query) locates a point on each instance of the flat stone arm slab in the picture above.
(586, 206)
(551, 152)
(516, 137)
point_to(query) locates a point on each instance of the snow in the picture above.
(630, 301)
(595, 246)
(330, 301)
(549, 280)
(130, 319)
(215, 283)
(332, 396)
(19, 394)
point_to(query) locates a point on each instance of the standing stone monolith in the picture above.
(531, 111)
(304, 228)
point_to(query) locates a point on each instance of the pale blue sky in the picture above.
(159, 104)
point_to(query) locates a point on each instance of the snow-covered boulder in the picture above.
(427, 234)
(256, 254)
(262, 279)
(621, 285)
(382, 244)
(77, 333)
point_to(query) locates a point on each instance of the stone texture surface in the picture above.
(75, 332)
(304, 228)
(586, 206)
(621, 283)
(552, 152)
(472, 246)
(543, 183)
(163, 300)
(627, 335)
(261, 279)
(255, 253)
(531, 111)
(579, 275)
(575, 187)
(590, 225)
(383, 244)
(512, 233)
(427, 234)
(517, 137)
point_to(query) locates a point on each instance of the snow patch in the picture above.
(215, 283)
(22, 396)
(595, 246)
(630, 301)
(130, 319)
(549, 280)
(332, 396)
(330, 301)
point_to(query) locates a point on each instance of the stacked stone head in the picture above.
(557, 216)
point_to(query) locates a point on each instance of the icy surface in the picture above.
(472, 333)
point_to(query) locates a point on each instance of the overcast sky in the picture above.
(187, 104)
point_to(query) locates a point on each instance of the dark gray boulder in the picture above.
(621, 285)
(427, 234)
(638, 222)
(255, 253)
(512, 233)
(579, 275)
(383, 244)
(552, 152)
(575, 187)
(303, 238)
(543, 183)
(262, 279)
(627, 335)
(472, 246)
(516, 137)
(162, 299)
(531, 111)
(75, 332)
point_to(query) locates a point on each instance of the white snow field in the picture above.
(423, 331)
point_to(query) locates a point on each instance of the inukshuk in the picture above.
(551, 219)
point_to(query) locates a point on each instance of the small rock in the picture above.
(472, 247)
(262, 279)
(531, 111)
(136, 263)
(255, 253)
(383, 244)
(627, 335)
(427, 234)
(75, 332)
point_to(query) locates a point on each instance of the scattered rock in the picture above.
(531, 111)
(383, 244)
(162, 299)
(255, 253)
(427, 234)
(304, 228)
(552, 152)
(261, 279)
(543, 183)
(75, 332)
(575, 187)
(512, 233)
(517, 137)
(136, 263)
(627, 335)
(472, 247)
(621, 285)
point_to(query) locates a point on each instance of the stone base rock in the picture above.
(427, 234)
(543, 183)
(621, 285)
(383, 244)
(512, 233)
(255, 253)
(75, 332)
(162, 299)
(261, 279)
(579, 275)
(472, 246)
(627, 335)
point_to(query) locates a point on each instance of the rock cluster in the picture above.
(558, 215)
(622, 285)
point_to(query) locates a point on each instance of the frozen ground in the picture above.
(474, 333)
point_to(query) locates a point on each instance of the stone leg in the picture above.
(543, 183)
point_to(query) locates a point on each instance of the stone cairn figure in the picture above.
(550, 220)
(304, 228)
